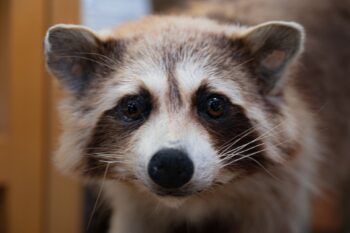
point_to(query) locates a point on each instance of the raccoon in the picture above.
(206, 123)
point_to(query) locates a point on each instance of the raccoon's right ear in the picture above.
(74, 55)
(273, 47)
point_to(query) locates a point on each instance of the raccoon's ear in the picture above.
(273, 46)
(71, 55)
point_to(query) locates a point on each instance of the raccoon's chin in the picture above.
(173, 198)
(172, 202)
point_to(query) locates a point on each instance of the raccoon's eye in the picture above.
(215, 106)
(212, 106)
(133, 108)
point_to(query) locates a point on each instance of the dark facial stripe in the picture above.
(111, 137)
(174, 95)
(233, 132)
(170, 60)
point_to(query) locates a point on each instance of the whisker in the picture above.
(88, 59)
(251, 154)
(262, 136)
(234, 153)
(245, 156)
(98, 197)
(265, 169)
(111, 162)
(246, 133)
(245, 62)
(113, 62)
(241, 136)
(94, 168)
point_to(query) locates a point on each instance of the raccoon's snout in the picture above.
(170, 168)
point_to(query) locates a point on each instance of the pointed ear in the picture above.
(273, 46)
(71, 55)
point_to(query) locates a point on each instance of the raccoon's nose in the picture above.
(170, 168)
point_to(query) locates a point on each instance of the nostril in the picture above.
(170, 168)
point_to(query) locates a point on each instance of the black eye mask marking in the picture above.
(230, 130)
(113, 131)
(132, 109)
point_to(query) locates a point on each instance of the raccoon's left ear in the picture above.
(273, 46)
(76, 56)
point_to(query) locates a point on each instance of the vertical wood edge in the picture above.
(63, 196)
(25, 151)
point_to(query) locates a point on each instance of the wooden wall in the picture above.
(64, 197)
(33, 198)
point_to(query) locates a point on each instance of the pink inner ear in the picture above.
(274, 60)
(77, 70)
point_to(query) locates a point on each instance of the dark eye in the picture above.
(133, 108)
(215, 106)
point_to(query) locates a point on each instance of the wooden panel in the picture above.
(38, 199)
(4, 75)
(24, 154)
(64, 196)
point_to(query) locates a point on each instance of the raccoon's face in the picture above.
(174, 105)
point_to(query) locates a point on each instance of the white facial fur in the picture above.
(168, 127)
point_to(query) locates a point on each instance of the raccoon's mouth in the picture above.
(176, 192)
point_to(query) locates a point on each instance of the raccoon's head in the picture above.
(174, 105)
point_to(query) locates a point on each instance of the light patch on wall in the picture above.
(100, 14)
(4, 74)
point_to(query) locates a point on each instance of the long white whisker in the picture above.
(228, 144)
(266, 134)
(98, 197)
(251, 154)
(262, 136)
(264, 168)
(234, 153)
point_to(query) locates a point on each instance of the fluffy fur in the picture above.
(254, 171)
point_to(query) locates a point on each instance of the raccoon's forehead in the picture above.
(174, 83)
(160, 53)
(156, 25)
(172, 66)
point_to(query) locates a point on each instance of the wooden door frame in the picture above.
(37, 198)
(63, 195)
(21, 150)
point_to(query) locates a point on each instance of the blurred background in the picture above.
(34, 197)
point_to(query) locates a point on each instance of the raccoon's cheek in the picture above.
(225, 176)
(108, 152)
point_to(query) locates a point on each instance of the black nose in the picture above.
(170, 168)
